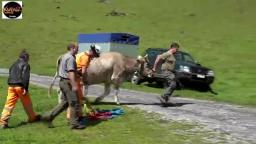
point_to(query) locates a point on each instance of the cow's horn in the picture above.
(139, 57)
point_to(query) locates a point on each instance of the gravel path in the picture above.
(237, 123)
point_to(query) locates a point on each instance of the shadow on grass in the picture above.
(18, 125)
(199, 87)
(154, 85)
(141, 103)
(190, 86)
(86, 121)
(91, 123)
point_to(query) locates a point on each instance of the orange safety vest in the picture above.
(82, 60)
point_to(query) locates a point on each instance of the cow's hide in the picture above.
(110, 68)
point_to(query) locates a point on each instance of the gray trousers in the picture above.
(170, 83)
(69, 99)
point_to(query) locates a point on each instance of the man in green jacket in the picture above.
(167, 68)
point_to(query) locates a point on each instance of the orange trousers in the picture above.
(15, 93)
(80, 98)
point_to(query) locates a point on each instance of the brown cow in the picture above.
(110, 68)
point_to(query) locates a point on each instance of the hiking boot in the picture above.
(166, 98)
(37, 118)
(78, 127)
(50, 125)
(163, 99)
(46, 119)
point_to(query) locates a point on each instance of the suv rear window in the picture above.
(155, 52)
(178, 56)
(152, 54)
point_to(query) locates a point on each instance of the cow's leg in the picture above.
(117, 72)
(85, 90)
(106, 92)
(116, 98)
(117, 85)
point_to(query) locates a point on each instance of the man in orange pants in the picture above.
(18, 81)
(83, 60)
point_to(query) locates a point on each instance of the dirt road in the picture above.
(237, 124)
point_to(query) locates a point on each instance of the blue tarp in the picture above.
(123, 38)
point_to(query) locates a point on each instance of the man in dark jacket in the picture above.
(18, 81)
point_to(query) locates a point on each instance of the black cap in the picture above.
(24, 55)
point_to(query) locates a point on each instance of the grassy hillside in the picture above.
(219, 34)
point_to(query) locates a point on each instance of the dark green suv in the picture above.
(187, 70)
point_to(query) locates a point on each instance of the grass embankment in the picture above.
(131, 128)
(219, 34)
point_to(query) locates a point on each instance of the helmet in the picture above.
(96, 49)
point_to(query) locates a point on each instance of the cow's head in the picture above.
(132, 65)
(144, 68)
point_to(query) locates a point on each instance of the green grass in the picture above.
(219, 34)
(133, 127)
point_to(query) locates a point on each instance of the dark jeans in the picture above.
(70, 99)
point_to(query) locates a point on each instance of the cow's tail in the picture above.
(55, 76)
(52, 83)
